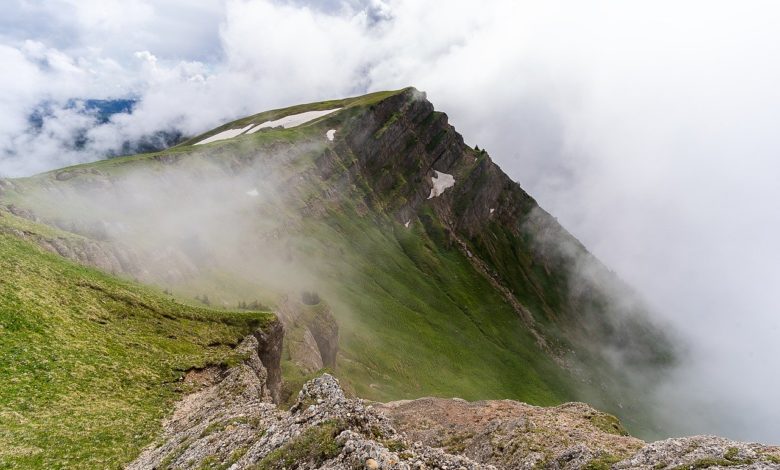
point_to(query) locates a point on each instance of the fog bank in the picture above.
(647, 129)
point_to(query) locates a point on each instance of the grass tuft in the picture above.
(313, 447)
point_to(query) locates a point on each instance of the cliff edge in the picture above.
(233, 424)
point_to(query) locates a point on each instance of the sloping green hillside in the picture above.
(90, 364)
(474, 292)
(417, 320)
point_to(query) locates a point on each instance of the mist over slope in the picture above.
(442, 275)
(92, 363)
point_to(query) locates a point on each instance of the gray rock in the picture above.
(702, 451)
(232, 423)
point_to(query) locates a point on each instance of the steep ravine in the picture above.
(269, 352)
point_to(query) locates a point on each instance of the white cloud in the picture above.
(648, 128)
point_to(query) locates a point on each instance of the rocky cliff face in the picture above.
(402, 146)
(104, 256)
(267, 345)
(232, 423)
(312, 334)
(573, 305)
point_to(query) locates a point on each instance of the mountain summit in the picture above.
(393, 255)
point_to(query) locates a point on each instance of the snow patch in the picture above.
(253, 192)
(293, 120)
(441, 182)
(492, 210)
(228, 134)
(407, 223)
(286, 122)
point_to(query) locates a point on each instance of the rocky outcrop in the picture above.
(269, 352)
(230, 401)
(230, 425)
(82, 250)
(233, 424)
(82, 246)
(312, 334)
(227, 406)
(697, 452)
(510, 434)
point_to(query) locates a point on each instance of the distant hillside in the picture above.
(99, 112)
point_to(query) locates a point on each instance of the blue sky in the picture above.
(648, 128)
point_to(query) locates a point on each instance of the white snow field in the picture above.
(228, 134)
(293, 120)
(331, 134)
(441, 182)
(287, 122)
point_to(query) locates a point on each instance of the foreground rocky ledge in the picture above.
(232, 423)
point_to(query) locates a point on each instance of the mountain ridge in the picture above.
(400, 287)
(223, 426)
(401, 136)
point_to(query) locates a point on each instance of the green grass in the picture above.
(607, 423)
(314, 446)
(772, 458)
(416, 319)
(91, 364)
(345, 104)
(603, 462)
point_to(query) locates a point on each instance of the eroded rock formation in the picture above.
(233, 423)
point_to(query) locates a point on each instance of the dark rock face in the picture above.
(568, 300)
(269, 352)
(325, 330)
(401, 142)
(312, 334)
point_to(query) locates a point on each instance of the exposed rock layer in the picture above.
(233, 424)
(312, 334)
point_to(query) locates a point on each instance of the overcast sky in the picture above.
(650, 129)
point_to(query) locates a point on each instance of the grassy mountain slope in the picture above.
(477, 293)
(421, 322)
(91, 364)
